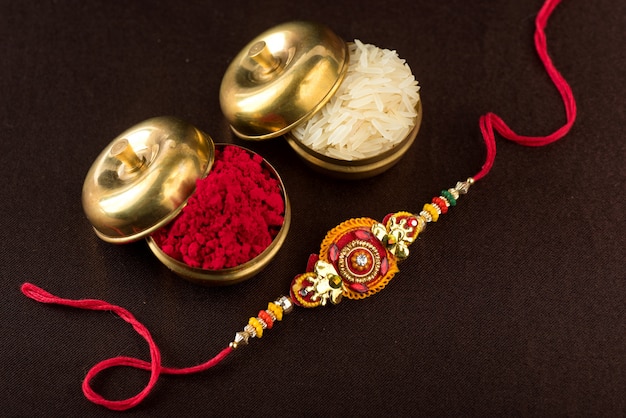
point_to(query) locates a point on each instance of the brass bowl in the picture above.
(356, 169)
(281, 79)
(241, 272)
(142, 180)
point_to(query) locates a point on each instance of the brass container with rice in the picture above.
(350, 110)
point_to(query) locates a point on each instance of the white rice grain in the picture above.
(372, 111)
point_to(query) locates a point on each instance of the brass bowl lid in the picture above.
(281, 78)
(144, 177)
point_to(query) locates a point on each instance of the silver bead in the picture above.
(250, 330)
(285, 303)
(427, 216)
(241, 338)
(463, 186)
(262, 322)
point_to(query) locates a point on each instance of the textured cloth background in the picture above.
(512, 304)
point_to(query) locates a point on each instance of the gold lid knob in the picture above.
(144, 177)
(281, 78)
(262, 55)
(123, 151)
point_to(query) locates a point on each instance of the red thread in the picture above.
(154, 365)
(491, 121)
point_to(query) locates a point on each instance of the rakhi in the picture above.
(357, 258)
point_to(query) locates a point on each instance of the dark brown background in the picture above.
(513, 304)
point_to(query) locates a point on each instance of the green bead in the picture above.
(449, 197)
(335, 281)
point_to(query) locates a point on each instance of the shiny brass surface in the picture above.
(281, 78)
(262, 55)
(357, 169)
(235, 274)
(123, 151)
(144, 177)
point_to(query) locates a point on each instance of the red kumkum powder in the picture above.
(234, 214)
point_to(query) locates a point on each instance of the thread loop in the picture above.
(491, 122)
(154, 366)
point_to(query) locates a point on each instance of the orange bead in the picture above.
(267, 318)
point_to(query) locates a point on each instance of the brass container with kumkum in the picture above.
(164, 171)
